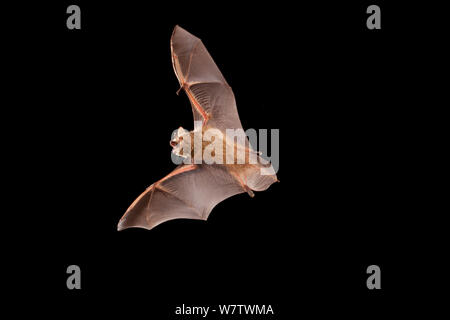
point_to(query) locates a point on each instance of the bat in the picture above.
(194, 188)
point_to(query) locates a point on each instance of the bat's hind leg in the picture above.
(249, 191)
(243, 184)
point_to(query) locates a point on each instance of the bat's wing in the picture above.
(190, 192)
(210, 95)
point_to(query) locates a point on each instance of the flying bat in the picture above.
(195, 187)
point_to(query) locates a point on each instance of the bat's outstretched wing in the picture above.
(190, 192)
(210, 95)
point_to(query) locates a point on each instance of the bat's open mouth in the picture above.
(173, 143)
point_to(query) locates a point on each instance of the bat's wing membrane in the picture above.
(211, 97)
(189, 192)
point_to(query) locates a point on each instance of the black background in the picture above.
(96, 118)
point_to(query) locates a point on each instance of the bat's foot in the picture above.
(249, 191)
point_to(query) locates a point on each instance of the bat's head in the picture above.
(181, 142)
